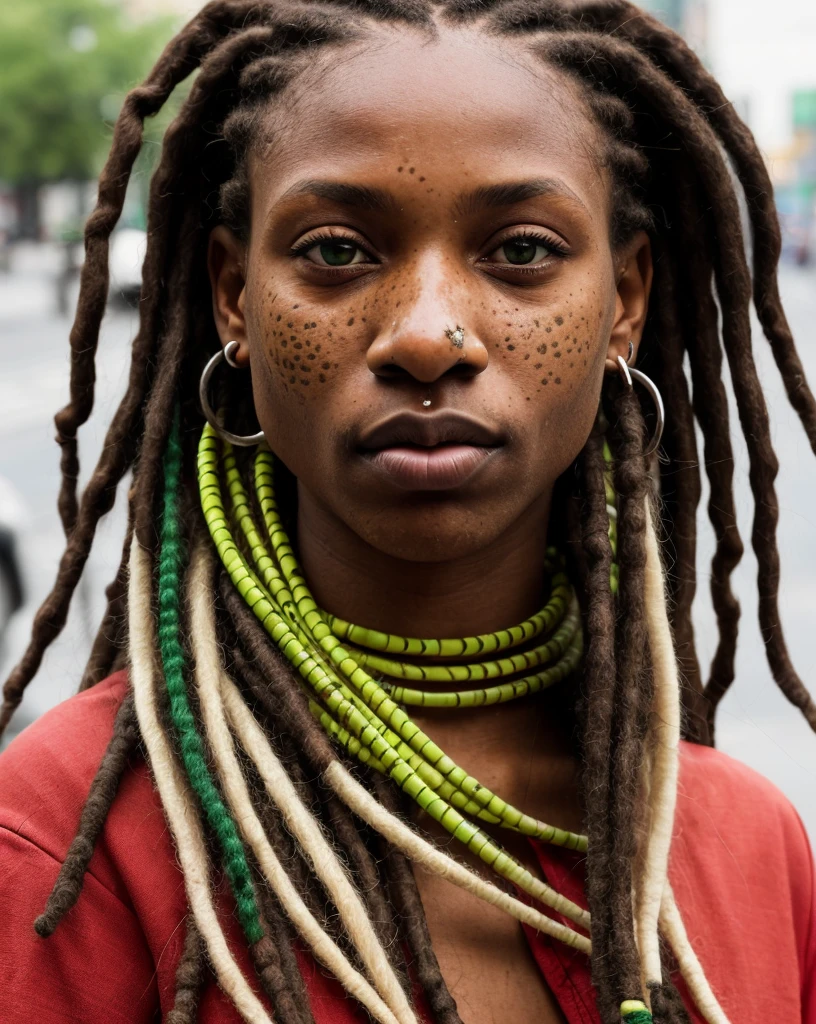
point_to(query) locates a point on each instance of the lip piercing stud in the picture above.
(427, 402)
(457, 336)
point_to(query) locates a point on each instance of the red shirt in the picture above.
(741, 868)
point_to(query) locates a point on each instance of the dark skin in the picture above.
(333, 349)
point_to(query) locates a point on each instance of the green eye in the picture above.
(526, 249)
(519, 251)
(338, 254)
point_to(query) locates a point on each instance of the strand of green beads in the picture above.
(364, 755)
(373, 695)
(498, 668)
(570, 640)
(312, 672)
(543, 622)
(279, 596)
(174, 664)
(486, 643)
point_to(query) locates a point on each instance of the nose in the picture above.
(430, 338)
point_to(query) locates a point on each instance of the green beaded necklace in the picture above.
(363, 713)
(334, 660)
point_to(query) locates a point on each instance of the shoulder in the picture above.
(46, 771)
(717, 789)
(741, 853)
(742, 871)
(98, 965)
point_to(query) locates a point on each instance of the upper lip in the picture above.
(442, 427)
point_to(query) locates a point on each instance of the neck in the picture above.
(524, 748)
(480, 592)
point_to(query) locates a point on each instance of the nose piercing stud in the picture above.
(457, 336)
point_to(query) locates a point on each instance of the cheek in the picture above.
(553, 359)
(301, 355)
(295, 346)
(554, 348)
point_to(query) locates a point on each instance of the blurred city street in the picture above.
(756, 724)
(33, 385)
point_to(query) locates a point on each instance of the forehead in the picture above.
(461, 106)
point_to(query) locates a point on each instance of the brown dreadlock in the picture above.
(670, 136)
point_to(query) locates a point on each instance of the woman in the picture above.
(438, 238)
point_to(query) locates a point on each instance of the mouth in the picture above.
(436, 452)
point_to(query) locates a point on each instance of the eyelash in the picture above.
(552, 245)
(555, 248)
(321, 239)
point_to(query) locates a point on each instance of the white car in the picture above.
(125, 258)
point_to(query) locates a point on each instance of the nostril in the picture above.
(463, 369)
(392, 370)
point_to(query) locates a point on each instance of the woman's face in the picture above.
(429, 293)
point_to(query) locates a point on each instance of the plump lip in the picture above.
(435, 452)
(429, 469)
(445, 427)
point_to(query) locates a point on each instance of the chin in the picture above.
(432, 532)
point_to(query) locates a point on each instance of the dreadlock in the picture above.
(673, 148)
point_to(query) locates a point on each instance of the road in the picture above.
(756, 724)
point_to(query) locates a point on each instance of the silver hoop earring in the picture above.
(628, 373)
(242, 440)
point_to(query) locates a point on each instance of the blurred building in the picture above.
(765, 59)
(688, 17)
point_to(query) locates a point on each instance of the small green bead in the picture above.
(634, 1011)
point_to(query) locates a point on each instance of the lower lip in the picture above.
(430, 469)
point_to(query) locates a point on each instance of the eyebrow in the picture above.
(361, 196)
(512, 192)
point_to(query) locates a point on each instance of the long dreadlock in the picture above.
(669, 138)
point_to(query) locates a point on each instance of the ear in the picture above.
(633, 272)
(226, 262)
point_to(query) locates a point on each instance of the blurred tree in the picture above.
(65, 66)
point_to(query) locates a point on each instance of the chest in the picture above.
(485, 959)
